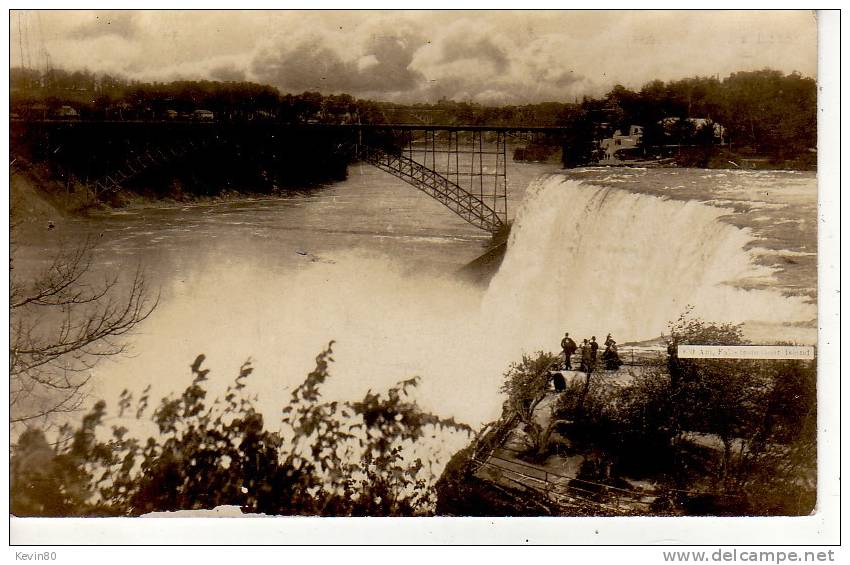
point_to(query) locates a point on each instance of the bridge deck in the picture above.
(271, 123)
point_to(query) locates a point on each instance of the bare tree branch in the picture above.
(61, 326)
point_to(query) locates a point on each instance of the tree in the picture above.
(62, 325)
(778, 470)
(770, 111)
(714, 396)
(624, 107)
(579, 141)
(307, 105)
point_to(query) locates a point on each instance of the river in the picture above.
(370, 263)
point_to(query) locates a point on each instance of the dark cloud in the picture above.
(227, 73)
(392, 71)
(384, 67)
(458, 48)
(308, 66)
(108, 22)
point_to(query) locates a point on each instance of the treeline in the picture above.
(764, 111)
(37, 94)
(761, 112)
(42, 94)
(754, 113)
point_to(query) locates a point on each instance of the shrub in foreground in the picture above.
(327, 458)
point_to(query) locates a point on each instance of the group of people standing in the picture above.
(589, 349)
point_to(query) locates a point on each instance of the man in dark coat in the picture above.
(594, 347)
(673, 366)
(569, 347)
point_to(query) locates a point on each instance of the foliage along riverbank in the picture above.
(38, 196)
(324, 458)
(70, 167)
(679, 437)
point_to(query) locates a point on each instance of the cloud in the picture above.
(308, 65)
(119, 23)
(393, 55)
(480, 60)
(462, 47)
(383, 66)
(515, 57)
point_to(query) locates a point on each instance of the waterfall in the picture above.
(581, 258)
(593, 260)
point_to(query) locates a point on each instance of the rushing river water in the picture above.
(370, 262)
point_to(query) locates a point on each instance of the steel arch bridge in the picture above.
(464, 167)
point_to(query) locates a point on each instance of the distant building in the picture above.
(203, 115)
(620, 147)
(66, 113)
(619, 142)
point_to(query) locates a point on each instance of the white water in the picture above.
(595, 260)
(581, 258)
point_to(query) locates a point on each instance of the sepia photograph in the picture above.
(415, 263)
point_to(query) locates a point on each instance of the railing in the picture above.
(629, 357)
(618, 501)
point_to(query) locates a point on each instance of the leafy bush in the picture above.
(525, 387)
(328, 458)
(742, 432)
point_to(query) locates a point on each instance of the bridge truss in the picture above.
(463, 169)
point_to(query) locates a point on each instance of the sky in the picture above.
(491, 57)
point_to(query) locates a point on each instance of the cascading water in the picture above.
(581, 258)
(594, 260)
